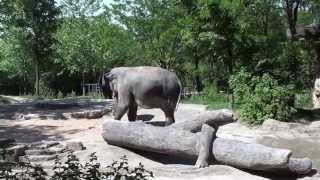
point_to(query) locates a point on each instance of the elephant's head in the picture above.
(106, 85)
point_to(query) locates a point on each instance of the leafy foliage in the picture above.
(203, 41)
(72, 169)
(261, 97)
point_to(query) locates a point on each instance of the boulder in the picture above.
(75, 146)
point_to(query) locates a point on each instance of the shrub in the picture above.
(45, 91)
(260, 98)
(304, 99)
(72, 94)
(60, 95)
(72, 169)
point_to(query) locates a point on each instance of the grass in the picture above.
(214, 101)
(303, 99)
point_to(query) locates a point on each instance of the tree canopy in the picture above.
(62, 44)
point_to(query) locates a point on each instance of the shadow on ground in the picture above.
(163, 158)
(145, 117)
(306, 115)
(279, 176)
(50, 109)
(31, 133)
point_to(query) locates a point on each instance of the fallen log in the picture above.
(179, 142)
(214, 119)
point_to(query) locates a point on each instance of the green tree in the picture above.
(40, 20)
(88, 42)
(156, 26)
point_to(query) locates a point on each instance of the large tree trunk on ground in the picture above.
(178, 142)
(212, 118)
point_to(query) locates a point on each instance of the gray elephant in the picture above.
(143, 86)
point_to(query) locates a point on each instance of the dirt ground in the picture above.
(58, 126)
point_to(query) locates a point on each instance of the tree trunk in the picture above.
(182, 143)
(37, 84)
(229, 65)
(83, 85)
(24, 84)
(198, 83)
(291, 9)
(317, 60)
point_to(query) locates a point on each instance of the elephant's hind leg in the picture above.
(169, 113)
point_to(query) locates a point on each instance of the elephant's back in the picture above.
(152, 85)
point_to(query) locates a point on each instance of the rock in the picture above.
(13, 153)
(315, 124)
(29, 116)
(95, 114)
(35, 158)
(49, 151)
(43, 144)
(274, 125)
(75, 146)
(5, 142)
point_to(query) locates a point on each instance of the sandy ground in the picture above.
(89, 132)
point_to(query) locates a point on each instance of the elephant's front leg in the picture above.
(120, 110)
(115, 105)
(132, 113)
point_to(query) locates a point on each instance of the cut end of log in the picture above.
(300, 166)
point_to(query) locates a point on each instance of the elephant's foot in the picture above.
(168, 122)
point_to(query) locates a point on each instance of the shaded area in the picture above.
(32, 133)
(157, 123)
(164, 158)
(51, 109)
(280, 176)
(306, 115)
(145, 117)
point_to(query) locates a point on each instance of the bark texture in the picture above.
(178, 140)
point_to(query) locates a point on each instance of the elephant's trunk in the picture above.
(105, 87)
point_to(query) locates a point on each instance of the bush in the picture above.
(304, 99)
(60, 95)
(45, 91)
(72, 169)
(260, 98)
(72, 94)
